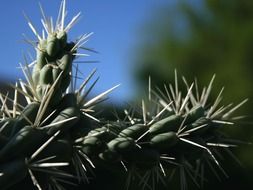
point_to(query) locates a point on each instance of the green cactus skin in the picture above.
(121, 144)
(12, 172)
(53, 45)
(3, 141)
(26, 141)
(164, 141)
(8, 125)
(61, 147)
(170, 123)
(68, 113)
(193, 115)
(57, 139)
(134, 131)
(92, 146)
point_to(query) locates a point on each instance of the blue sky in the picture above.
(116, 25)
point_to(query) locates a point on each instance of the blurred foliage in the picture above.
(200, 38)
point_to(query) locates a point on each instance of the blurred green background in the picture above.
(212, 36)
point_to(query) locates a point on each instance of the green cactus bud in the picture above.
(121, 144)
(65, 63)
(55, 74)
(62, 36)
(164, 141)
(29, 113)
(134, 131)
(41, 61)
(68, 113)
(42, 46)
(171, 123)
(194, 114)
(102, 133)
(46, 75)
(53, 45)
(204, 122)
(92, 146)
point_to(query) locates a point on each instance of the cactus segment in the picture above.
(3, 141)
(121, 145)
(92, 146)
(194, 114)
(170, 123)
(12, 172)
(8, 127)
(53, 45)
(71, 114)
(134, 131)
(60, 150)
(24, 143)
(164, 141)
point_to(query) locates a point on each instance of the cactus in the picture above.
(56, 140)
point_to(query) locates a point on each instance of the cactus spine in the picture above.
(54, 138)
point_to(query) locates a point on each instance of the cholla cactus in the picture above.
(54, 140)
